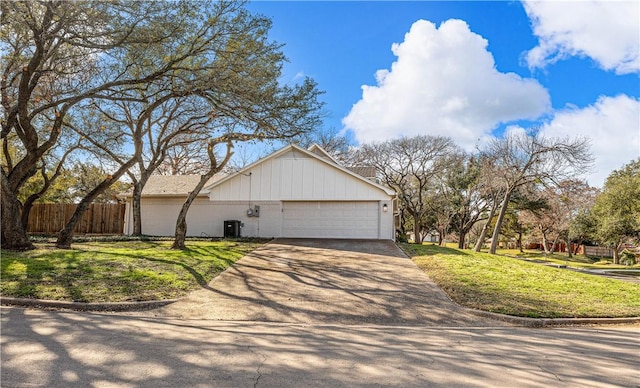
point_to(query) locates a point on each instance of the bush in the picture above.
(627, 258)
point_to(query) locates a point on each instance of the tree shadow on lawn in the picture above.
(187, 254)
(197, 276)
(62, 271)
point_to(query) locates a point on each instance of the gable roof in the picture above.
(316, 149)
(172, 185)
(314, 155)
(365, 171)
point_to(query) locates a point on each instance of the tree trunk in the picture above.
(578, 243)
(14, 235)
(181, 222)
(569, 250)
(461, 240)
(417, 236)
(545, 244)
(554, 244)
(65, 237)
(519, 242)
(26, 210)
(481, 237)
(616, 253)
(136, 202)
(496, 229)
(28, 203)
(181, 225)
(485, 229)
(402, 228)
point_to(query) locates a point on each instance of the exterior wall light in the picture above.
(385, 208)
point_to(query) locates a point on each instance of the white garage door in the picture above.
(330, 219)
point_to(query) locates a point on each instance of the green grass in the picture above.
(116, 271)
(516, 287)
(577, 261)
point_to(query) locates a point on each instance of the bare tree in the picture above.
(522, 158)
(185, 158)
(336, 144)
(572, 197)
(409, 166)
(491, 193)
(547, 220)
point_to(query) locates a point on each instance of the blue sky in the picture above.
(470, 70)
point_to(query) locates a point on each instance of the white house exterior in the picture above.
(162, 199)
(291, 193)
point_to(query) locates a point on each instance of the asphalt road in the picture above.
(72, 349)
(310, 313)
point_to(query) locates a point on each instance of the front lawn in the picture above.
(510, 286)
(577, 261)
(116, 271)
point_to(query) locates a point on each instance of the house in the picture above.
(294, 192)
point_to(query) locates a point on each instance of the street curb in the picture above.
(551, 322)
(80, 306)
(147, 305)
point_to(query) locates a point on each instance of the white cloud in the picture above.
(612, 124)
(606, 31)
(444, 82)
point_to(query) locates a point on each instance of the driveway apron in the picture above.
(325, 282)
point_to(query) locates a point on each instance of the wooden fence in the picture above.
(100, 218)
(598, 251)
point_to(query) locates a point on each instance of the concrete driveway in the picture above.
(325, 281)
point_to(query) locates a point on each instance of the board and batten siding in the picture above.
(300, 195)
(294, 176)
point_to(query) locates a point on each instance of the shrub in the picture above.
(627, 258)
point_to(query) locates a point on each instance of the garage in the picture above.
(329, 219)
(293, 192)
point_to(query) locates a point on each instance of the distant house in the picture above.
(432, 237)
(294, 192)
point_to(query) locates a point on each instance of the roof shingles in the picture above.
(173, 185)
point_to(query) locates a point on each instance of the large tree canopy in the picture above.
(617, 208)
(64, 61)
